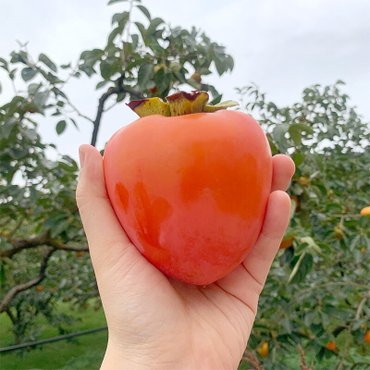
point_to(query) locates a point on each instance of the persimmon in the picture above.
(365, 211)
(263, 349)
(331, 346)
(39, 288)
(367, 337)
(190, 184)
(303, 181)
(80, 254)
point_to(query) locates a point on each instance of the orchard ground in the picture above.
(85, 352)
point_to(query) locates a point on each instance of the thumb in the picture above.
(107, 239)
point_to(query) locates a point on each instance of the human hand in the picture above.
(155, 322)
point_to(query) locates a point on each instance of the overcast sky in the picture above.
(283, 46)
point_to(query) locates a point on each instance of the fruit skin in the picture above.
(365, 211)
(39, 288)
(304, 181)
(191, 191)
(263, 349)
(331, 346)
(367, 337)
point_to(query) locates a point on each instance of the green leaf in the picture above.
(135, 41)
(301, 268)
(154, 25)
(142, 30)
(219, 66)
(297, 130)
(154, 45)
(59, 92)
(59, 227)
(120, 97)
(40, 99)
(28, 73)
(19, 57)
(105, 69)
(313, 247)
(89, 71)
(4, 63)
(1, 89)
(7, 127)
(298, 158)
(60, 127)
(180, 76)
(216, 100)
(108, 68)
(145, 11)
(278, 134)
(52, 78)
(213, 91)
(12, 74)
(66, 66)
(344, 340)
(355, 242)
(121, 19)
(33, 88)
(31, 134)
(126, 50)
(73, 122)
(46, 60)
(90, 57)
(113, 35)
(144, 74)
(101, 84)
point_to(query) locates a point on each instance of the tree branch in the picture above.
(42, 239)
(361, 305)
(252, 360)
(61, 246)
(120, 88)
(99, 113)
(75, 109)
(302, 357)
(20, 244)
(5, 302)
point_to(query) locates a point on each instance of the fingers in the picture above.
(247, 280)
(259, 260)
(283, 170)
(105, 236)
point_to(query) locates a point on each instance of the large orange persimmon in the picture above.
(190, 190)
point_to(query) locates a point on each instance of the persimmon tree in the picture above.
(316, 301)
(43, 250)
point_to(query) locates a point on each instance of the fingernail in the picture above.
(82, 156)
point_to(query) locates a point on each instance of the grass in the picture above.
(85, 352)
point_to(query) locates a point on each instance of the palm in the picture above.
(146, 308)
(208, 317)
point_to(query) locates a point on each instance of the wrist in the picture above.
(118, 358)
(115, 359)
